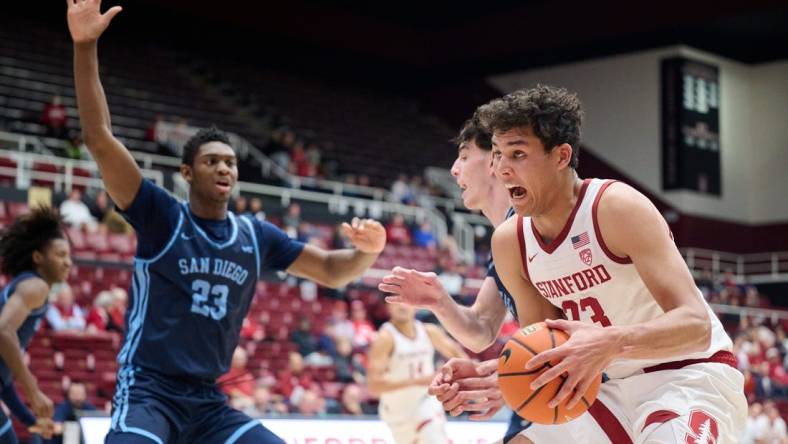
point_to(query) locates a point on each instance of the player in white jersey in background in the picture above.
(601, 252)
(401, 366)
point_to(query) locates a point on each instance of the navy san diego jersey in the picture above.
(193, 283)
(507, 298)
(28, 328)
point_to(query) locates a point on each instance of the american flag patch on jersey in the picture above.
(581, 240)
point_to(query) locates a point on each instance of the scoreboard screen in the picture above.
(690, 126)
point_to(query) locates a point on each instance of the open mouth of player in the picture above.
(517, 193)
(223, 186)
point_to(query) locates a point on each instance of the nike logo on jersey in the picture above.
(185, 237)
(247, 249)
(531, 258)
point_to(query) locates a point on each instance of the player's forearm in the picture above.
(92, 103)
(466, 325)
(677, 332)
(345, 266)
(12, 356)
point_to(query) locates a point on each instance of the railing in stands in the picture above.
(25, 172)
(336, 204)
(755, 268)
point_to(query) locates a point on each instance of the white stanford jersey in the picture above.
(577, 273)
(411, 358)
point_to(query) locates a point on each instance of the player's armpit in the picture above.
(531, 306)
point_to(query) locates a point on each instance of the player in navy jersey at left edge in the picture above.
(195, 271)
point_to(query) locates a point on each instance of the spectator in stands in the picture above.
(423, 236)
(363, 330)
(238, 383)
(400, 189)
(256, 208)
(304, 232)
(313, 154)
(292, 219)
(64, 314)
(74, 147)
(341, 326)
(298, 161)
(241, 205)
(348, 369)
(75, 213)
(338, 240)
(103, 210)
(303, 338)
(363, 181)
(397, 232)
(265, 403)
(118, 310)
(775, 429)
(311, 403)
(352, 402)
(756, 426)
(76, 400)
(295, 375)
(54, 117)
(252, 330)
(98, 319)
(152, 133)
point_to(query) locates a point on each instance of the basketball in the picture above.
(514, 380)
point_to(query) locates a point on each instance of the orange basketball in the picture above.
(515, 380)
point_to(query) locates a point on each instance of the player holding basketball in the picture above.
(601, 252)
(401, 366)
(477, 326)
(35, 255)
(195, 271)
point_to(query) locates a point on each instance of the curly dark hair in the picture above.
(30, 232)
(472, 130)
(553, 114)
(205, 135)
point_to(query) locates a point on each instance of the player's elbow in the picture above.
(699, 319)
(95, 137)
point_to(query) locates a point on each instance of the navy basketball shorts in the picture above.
(151, 408)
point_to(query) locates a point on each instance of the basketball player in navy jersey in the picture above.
(477, 326)
(35, 254)
(195, 271)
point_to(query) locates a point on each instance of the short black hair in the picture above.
(553, 114)
(203, 136)
(473, 131)
(29, 232)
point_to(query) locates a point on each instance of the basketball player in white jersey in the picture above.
(601, 252)
(401, 366)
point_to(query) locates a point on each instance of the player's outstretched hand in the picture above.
(416, 288)
(85, 20)
(367, 235)
(463, 385)
(40, 404)
(44, 427)
(588, 351)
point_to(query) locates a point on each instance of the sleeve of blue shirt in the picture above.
(154, 215)
(277, 250)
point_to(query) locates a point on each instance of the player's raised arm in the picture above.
(338, 268)
(531, 306)
(121, 175)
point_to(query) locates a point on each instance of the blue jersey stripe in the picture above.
(256, 245)
(145, 297)
(134, 316)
